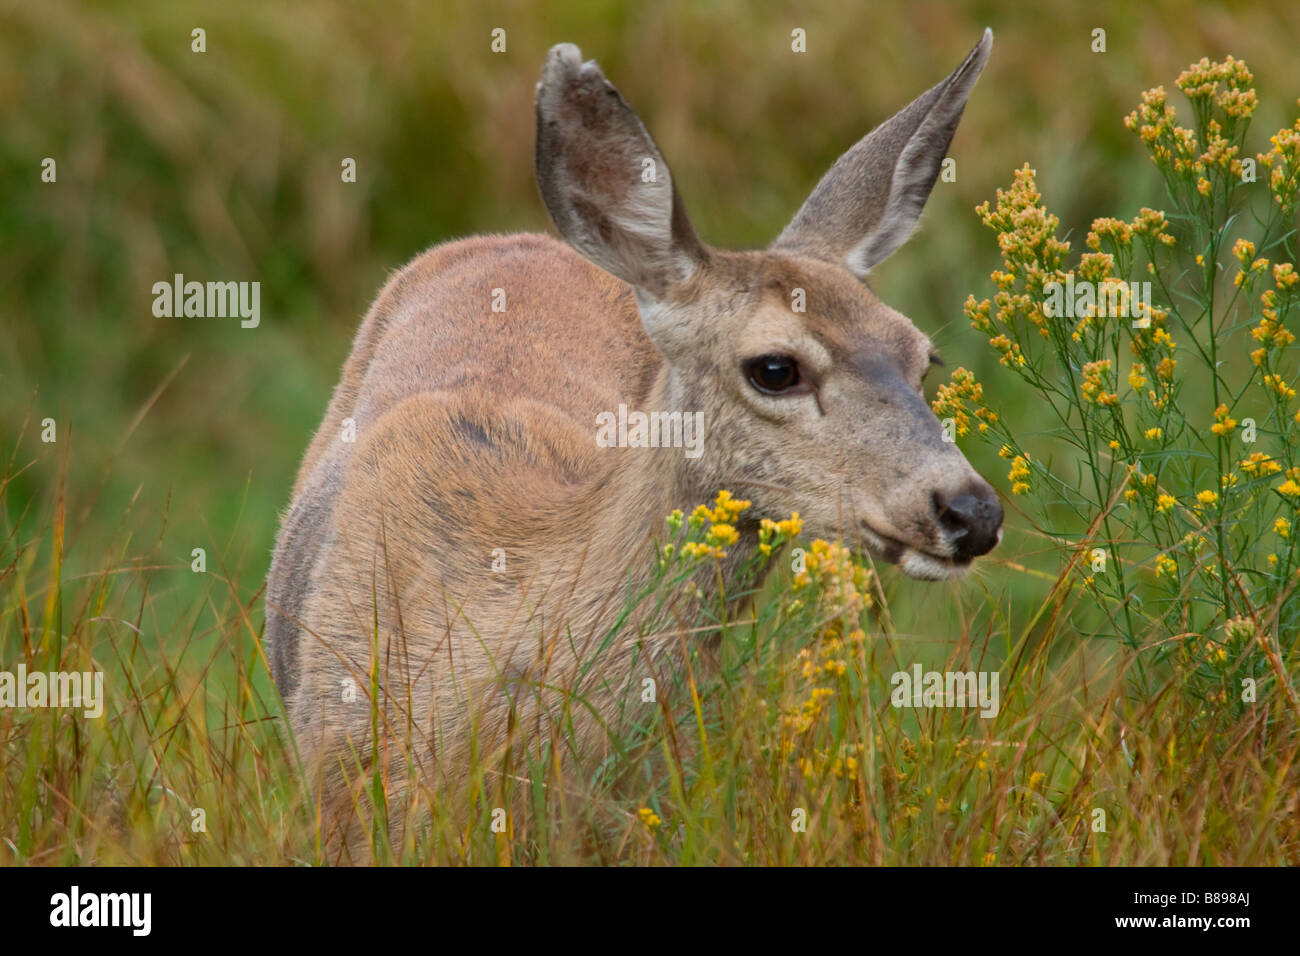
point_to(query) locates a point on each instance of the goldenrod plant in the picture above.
(1162, 360)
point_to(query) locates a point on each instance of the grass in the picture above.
(786, 750)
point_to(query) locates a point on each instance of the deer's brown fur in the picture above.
(474, 439)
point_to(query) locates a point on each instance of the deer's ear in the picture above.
(868, 203)
(605, 182)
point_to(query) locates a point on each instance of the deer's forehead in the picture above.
(840, 312)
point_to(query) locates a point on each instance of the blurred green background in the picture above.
(224, 165)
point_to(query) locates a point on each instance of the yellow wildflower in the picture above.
(1259, 465)
(1019, 474)
(1223, 423)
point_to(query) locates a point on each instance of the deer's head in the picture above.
(811, 386)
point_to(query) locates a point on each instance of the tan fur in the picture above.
(475, 431)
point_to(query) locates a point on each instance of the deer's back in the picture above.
(467, 421)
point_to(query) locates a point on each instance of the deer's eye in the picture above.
(773, 374)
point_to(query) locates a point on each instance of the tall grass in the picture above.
(777, 745)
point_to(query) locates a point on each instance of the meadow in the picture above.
(1140, 613)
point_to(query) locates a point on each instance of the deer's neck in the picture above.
(647, 485)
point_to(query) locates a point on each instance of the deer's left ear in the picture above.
(868, 203)
(605, 182)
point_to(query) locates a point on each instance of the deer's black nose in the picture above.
(971, 521)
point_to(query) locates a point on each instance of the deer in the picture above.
(456, 533)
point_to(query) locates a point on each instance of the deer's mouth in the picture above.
(913, 561)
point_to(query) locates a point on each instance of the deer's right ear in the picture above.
(869, 202)
(604, 181)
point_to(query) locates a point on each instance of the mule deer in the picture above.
(474, 433)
